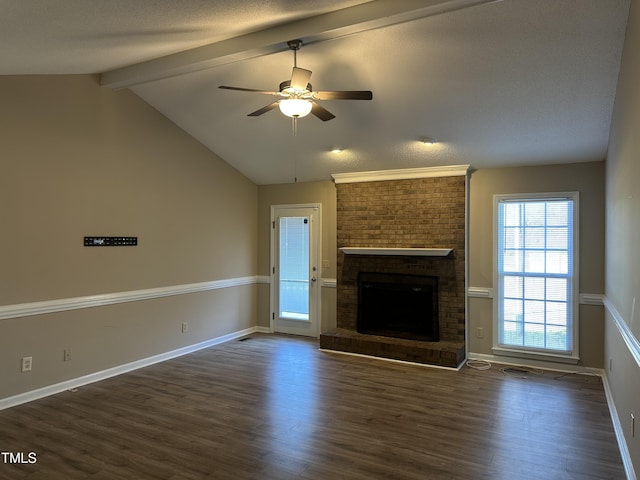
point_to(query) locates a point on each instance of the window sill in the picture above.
(544, 356)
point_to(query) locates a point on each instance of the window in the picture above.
(537, 273)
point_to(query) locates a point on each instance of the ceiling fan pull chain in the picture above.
(294, 142)
(295, 158)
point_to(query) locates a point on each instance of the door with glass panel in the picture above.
(294, 267)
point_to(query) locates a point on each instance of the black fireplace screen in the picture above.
(398, 305)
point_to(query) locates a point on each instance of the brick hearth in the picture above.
(413, 213)
(445, 354)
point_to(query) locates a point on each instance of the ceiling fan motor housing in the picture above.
(287, 84)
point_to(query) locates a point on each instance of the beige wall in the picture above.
(586, 178)
(623, 239)
(78, 159)
(290, 194)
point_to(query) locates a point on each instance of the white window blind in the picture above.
(536, 265)
(294, 268)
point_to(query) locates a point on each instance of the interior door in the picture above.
(295, 289)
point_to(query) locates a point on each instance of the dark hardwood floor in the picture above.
(275, 407)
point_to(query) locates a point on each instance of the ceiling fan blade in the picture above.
(266, 109)
(321, 112)
(300, 78)
(248, 90)
(344, 95)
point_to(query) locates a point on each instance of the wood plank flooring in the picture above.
(275, 407)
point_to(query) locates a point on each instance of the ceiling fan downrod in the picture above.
(295, 46)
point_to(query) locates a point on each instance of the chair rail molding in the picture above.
(625, 332)
(75, 303)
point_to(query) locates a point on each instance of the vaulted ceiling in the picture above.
(497, 83)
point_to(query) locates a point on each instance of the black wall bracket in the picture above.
(110, 241)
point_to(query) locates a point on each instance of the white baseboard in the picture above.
(393, 360)
(520, 362)
(533, 363)
(617, 427)
(120, 369)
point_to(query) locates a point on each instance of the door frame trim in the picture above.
(316, 231)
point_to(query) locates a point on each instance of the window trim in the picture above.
(571, 356)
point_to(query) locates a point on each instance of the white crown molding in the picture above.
(64, 304)
(401, 174)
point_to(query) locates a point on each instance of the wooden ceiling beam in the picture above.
(347, 21)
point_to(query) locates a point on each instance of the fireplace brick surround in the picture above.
(404, 213)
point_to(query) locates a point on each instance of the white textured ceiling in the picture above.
(509, 83)
(94, 36)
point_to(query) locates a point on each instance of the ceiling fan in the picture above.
(297, 96)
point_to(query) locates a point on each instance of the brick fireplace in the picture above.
(413, 230)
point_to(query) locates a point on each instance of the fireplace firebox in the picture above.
(398, 305)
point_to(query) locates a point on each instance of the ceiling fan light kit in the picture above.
(297, 96)
(295, 107)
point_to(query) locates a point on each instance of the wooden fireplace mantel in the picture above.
(421, 252)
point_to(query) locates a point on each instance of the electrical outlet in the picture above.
(67, 354)
(27, 364)
(185, 327)
(479, 332)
